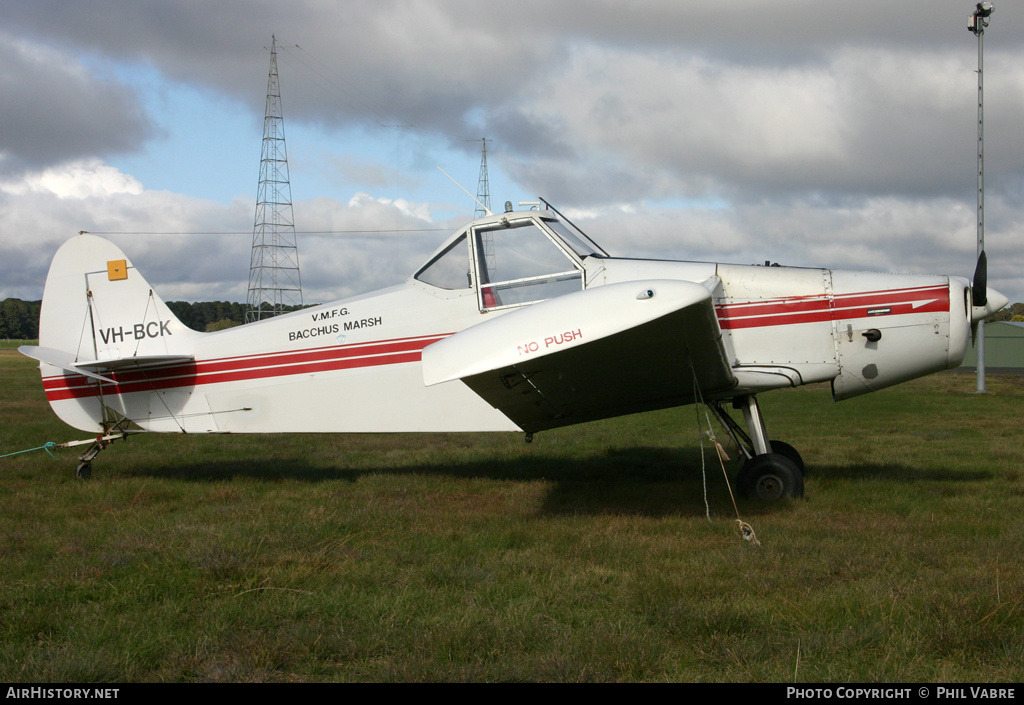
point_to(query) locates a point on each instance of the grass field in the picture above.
(584, 556)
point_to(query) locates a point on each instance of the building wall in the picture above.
(1004, 349)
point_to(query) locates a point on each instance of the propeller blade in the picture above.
(979, 291)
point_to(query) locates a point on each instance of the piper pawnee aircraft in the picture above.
(519, 322)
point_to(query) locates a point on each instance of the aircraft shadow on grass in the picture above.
(641, 481)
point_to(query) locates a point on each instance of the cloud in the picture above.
(55, 110)
(866, 121)
(79, 180)
(400, 206)
(197, 249)
(838, 134)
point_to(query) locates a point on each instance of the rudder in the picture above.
(98, 315)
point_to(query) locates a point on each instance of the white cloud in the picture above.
(365, 203)
(196, 249)
(79, 180)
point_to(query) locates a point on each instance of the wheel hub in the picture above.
(769, 487)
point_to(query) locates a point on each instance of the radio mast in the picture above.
(274, 281)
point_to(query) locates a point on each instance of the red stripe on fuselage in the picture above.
(818, 308)
(234, 369)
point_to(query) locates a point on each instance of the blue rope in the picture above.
(46, 447)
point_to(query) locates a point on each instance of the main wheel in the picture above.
(770, 477)
(783, 448)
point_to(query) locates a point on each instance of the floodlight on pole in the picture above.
(977, 22)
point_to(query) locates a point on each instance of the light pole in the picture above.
(977, 22)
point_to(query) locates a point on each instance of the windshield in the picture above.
(518, 260)
(580, 243)
(520, 263)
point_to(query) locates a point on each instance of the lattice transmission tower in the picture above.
(483, 204)
(483, 186)
(274, 281)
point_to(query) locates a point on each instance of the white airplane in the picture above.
(519, 322)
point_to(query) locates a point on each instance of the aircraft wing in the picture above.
(606, 351)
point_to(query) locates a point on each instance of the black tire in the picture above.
(770, 477)
(83, 471)
(783, 448)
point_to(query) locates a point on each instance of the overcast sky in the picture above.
(816, 133)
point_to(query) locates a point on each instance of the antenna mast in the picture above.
(274, 281)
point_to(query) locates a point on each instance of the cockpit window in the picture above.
(580, 243)
(450, 269)
(519, 264)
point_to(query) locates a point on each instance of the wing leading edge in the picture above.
(612, 350)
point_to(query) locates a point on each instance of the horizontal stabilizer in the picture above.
(58, 358)
(140, 361)
(92, 368)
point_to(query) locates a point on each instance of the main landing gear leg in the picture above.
(773, 469)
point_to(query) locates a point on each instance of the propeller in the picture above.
(984, 303)
(979, 292)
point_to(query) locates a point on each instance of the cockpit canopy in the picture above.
(512, 259)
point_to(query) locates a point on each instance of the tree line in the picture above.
(19, 320)
(214, 315)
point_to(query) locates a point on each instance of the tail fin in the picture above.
(100, 315)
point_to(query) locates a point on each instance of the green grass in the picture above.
(15, 343)
(584, 556)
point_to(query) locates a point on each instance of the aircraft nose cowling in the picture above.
(994, 302)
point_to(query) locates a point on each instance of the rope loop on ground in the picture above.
(747, 532)
(46, 446)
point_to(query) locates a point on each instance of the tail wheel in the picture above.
(771, 477)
